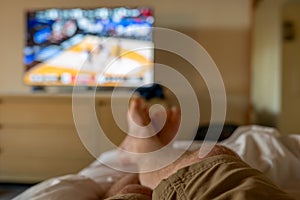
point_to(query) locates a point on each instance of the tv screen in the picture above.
(89, 47)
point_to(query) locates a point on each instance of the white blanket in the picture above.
(278, 157)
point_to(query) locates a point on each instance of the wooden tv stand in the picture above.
(38, 138)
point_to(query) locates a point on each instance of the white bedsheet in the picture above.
(278, 157)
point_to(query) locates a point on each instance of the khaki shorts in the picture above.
(219, 177)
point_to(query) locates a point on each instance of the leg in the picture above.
(138, 116)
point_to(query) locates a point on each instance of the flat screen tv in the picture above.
(90, 47)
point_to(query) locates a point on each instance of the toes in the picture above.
(175, 116)
(171, 125)
(158, 119)
(139, 112)
(136, 105)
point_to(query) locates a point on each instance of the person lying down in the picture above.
(219, 174)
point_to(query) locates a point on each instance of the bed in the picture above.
(263, 148)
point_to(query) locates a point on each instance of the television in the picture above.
(89, 47)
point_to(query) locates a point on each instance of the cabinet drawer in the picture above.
(38, 139)
(39, 113)
(28, 170)
(59, 142)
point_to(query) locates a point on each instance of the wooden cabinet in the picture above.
(38, 137)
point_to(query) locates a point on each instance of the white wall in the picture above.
(222, 27)
(266, 61)
(290, 108)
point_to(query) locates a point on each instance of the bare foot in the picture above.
(139, 118)
(142, 137)
(171, 126)
(139, 122)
